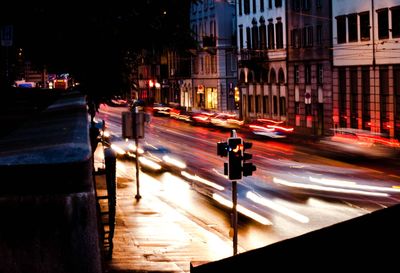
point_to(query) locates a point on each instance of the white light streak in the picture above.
(279, 208)
(174, 162)
(202, 180)
(351, 184)
(251, 214)
(326, 189)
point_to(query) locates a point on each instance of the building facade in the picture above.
(366, 73)
(310, 66)
(262, 58)
(214, 64)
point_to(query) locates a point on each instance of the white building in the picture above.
(366, 59)
(214, 67)
(261, 27)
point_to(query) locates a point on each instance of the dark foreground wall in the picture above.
(369, 243)
(47, 201)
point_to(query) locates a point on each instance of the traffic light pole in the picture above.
(234, 217)
(137, 196)
(234, 149)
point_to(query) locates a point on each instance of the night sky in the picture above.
(91, 40)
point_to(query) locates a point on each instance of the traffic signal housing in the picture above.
(248, 167)
(222, 149)
(235, 157)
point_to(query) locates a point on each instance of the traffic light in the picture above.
(248, 167)
(235, 157)
(222, 149)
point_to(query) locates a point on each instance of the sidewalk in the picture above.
(153, 236)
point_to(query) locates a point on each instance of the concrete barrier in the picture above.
(47, 198)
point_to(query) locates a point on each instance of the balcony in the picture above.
(209, 41)
(253, 54)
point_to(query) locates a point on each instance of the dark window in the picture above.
(278, 3)
(296, 38)
(265, 105)
(254, 6)
(341, 29)
(353, 99)
(384, 97)
(306, 4)
(275, 102)
(352, 27)
(271, 35)
(318, 4)
(308, 36)
(241, 36)
(296, 5)
(320, 78)
(319, 35)
(396, 91)
(308, 109)
(240, 7)
(282, 105)
(366, 98)
(342, 97)
(270, 4)
(263, 35)
(246, 7)
(364, 26)
(261, 5)
(281, 76)
(296, 74)
(297, 108)
(395, 22)
(272, 79)
(307, 74)
(383, 24)
(248, 37)
(249, 104)
(258, 103)
(254, 34)
(279, 34)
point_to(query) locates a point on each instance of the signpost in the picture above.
(133, 127)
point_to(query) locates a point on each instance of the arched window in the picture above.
(271, 35)
(272, 76)
(279, 33)
(242, 77)
(281, 76)
(262, 34)
(250, 77)
(257, 75)
(264, 75)
(254, 34)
